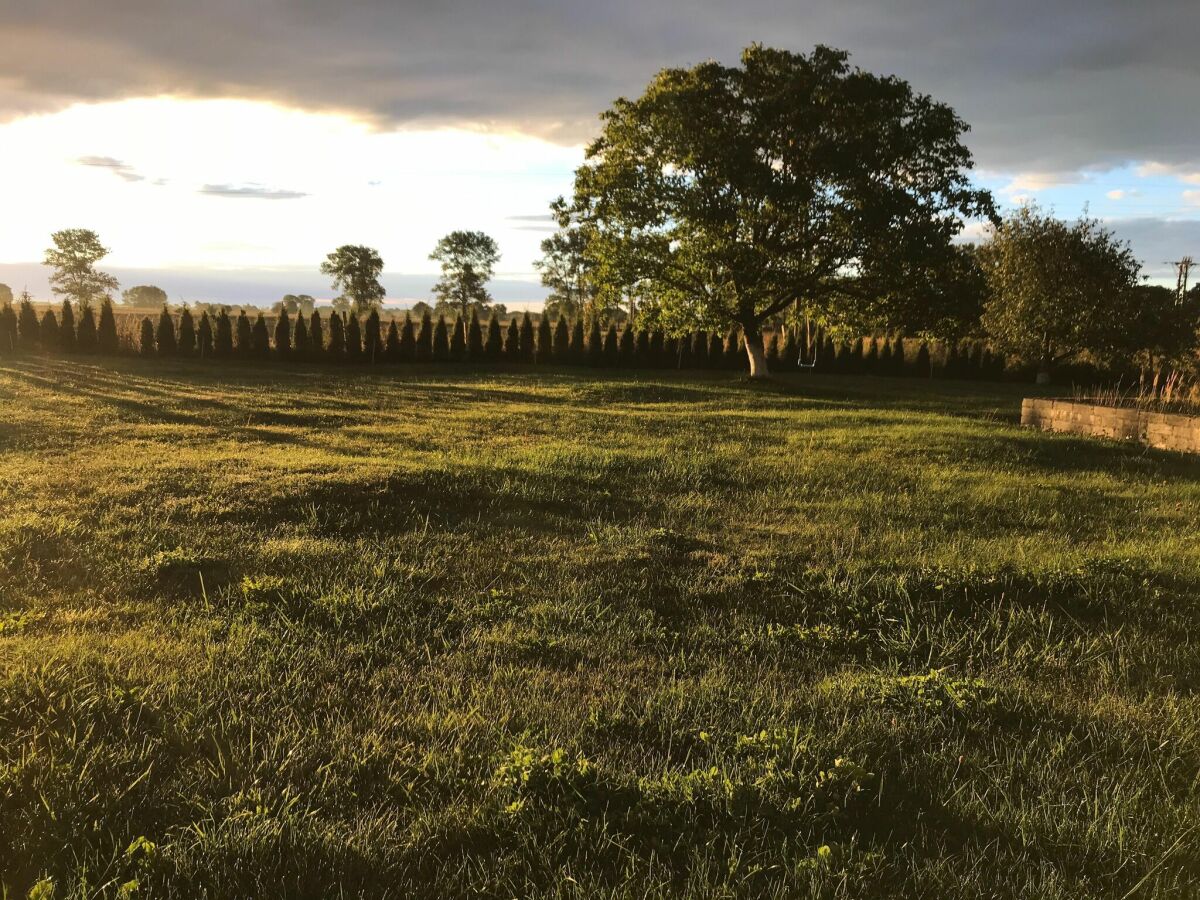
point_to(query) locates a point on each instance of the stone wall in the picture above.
(1166, 431)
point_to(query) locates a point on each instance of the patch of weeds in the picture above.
(803, 640)
(181, 571)
(935, 693)
(19, 620)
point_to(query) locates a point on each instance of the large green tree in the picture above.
(727, 194)
(1057, 289)
(355, 271)
(73, 259)
(468, 260)
(144, 295)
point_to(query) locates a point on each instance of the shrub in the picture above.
(373, 337)
(147, 337)
(29, 331)
(66, 328)
(8, 329)
(545, 341)
(353, 338)
(577, 352)
(204, 336)
(922, 367)
(512, 341)
(527, 347)
(408, 340)
(595, 344)
(165, 334)
(262, 338)
(48, 331)
(425, 338)
(316, 336)
(611, 346)
(245, 335)
(441, 341)
(85, 335)
(106, 333)
(458, 339)
(627, 353)
(223, 340)
(475, 337)
(562, 341)
(335, 349)
(187, 333)
(391, 346)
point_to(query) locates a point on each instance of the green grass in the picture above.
(316, 633)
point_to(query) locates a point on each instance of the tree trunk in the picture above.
(756, 353)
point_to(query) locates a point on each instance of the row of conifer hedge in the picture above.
(334, 337)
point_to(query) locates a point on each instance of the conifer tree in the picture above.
(316, 336)
(699, 352)
(245, 335)
(106, 331)
(283, 334)
(204, 336)
(683, 350)
(658, 349)
(577, 352)
(301, 346)
(353, 338)
(48, 331)
(844, 363)
(146, 344)
(716, 351)
(922, 367)
(441, 340)
(627, 353)
(512, 341)
(261, 340)
(8, 329)
(29, 330)
(391, 346)
(730, 352)
(858, 363)
(458, 339)
(827, 354)
(335, 347)
(899, 360)
(165, 334)
(562, 341)
(671, 352)
(595, 344)
(544, 354)
(871, 358)
(950, 361)
(998, 366)
(408, 340)
(976, 361)
(223, 338)
(185, 335)
(788, 349)
(773, 351)
(425, 339)
(641, 348)
(373, 337)
(528, 349)
(611, 346)
(85, 333)
(475, 338)
(883, 363)
(66, 328)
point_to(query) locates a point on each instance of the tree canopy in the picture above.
(73, 258)
(468, 261)
(729, 193)
(355, 271)
(144, 295)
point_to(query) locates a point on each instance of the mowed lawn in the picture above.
(333, 632)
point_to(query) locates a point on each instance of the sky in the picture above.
(221, 149)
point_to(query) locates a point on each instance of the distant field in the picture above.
(307, 632)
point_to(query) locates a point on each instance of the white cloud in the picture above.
(1191, 198)
(1186, 174)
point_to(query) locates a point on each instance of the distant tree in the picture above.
(512, 341)
(6, 294)
(564, 266)
(528, 349)
(48, 331)
(85, 331)
(628, 349)
(144, 295)
(260, 338)
(316, 336)
(29, 332)
(73, 259)
(340, 305)
(562, 341)
(922, 366)
(355, 271)
(66, 328)
(146, 344)
(458, 340)
(204, 336)
(283, 335)
(408, 340)
(391, 344)
(419, 309)
(8, 328)
(373, 337)
(899, 362)
(468, 260)
(441, 340)
(165, 333)
(577, 351)
(425, 339)
(301, 347)
(187, 333)
(494, 346)
(544, 353)
(641, 347)
(223, 339)
(353, 338)
(883, 364)
(1162, 331)
(611, 346)
(295, 304)
(595, 344)
(475, 338)
(1057, 289)
(335, 349)
(106, 330)
(245, 335)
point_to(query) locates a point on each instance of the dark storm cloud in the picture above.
(121, 169)
(1049, 86)
(250, 191)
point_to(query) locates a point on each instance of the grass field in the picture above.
(316, 633)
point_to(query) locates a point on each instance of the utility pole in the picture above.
(1182, 267)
